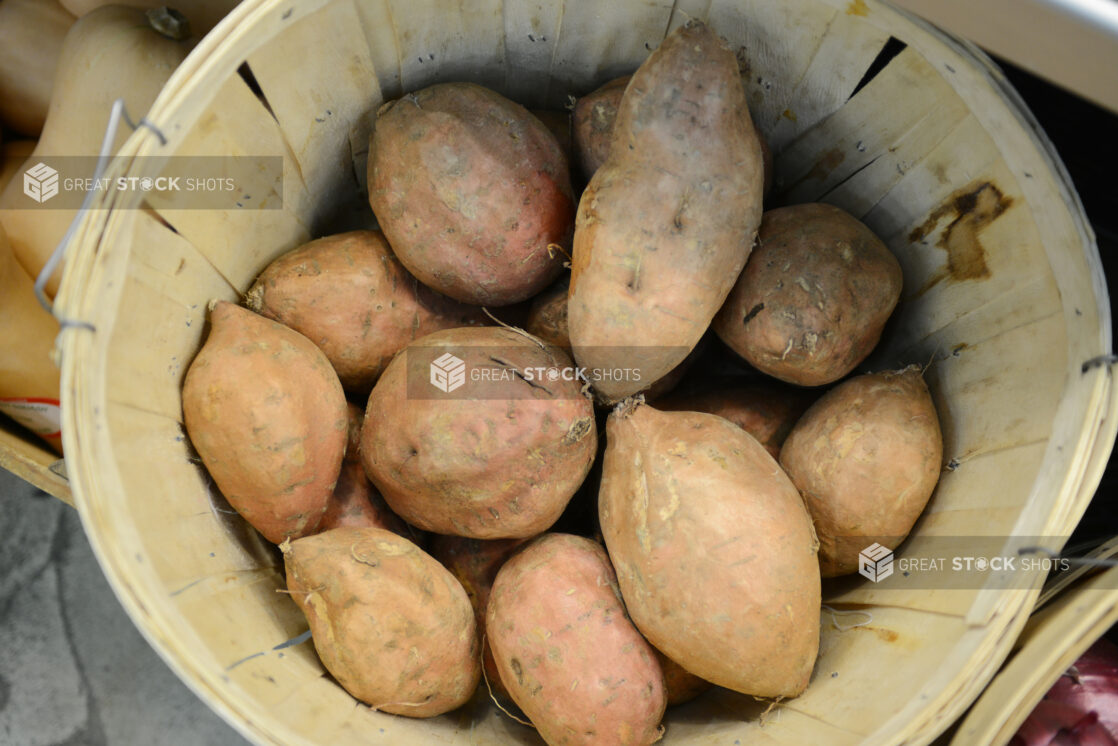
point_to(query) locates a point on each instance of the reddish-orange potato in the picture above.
(713, 547)
(680, 685)
(547, 316)
(566, 650)
(267, 414)
(470, 190)
(866, 457)
(388, 621)
(814, 297)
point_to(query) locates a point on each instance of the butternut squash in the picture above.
(113, 52)
(203, 14)
(29, 380)
(13, 154)
(31, 34)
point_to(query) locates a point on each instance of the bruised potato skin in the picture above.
(866, 457)
(267, 415)
(567, 652)
(814, 297)
(713, 548)
(667, 223)
(388, 621)
(491, 460)
(470, 189)
(349, 295)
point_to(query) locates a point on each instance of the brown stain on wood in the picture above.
(826, 164)
(971, 210)
(857, 8)
(789, 115)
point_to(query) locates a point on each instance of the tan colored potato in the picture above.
(667, 223)
(567, 652)
(388, 621)
(713, 548)
(267, 414)
(496, 459)
(814, 297)
(592, 124)
(547, 316)
(349, 295)
(470, 190)
(680, 685)
(866, 457)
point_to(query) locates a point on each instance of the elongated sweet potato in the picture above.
(666, 224)
(814, 297)
(388, 621)
(494, 448)
(866, 457)
(470, 190)
(267, 414)
(713, 548)
(567, 652)
(349, 295)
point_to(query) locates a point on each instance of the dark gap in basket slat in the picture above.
(250, 80)
(892, 48)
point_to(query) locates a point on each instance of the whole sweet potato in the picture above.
(814, 297)
(592, 124)
(267, 415)
(567, 652)
(547, 316)
(666, 224)
(680, 685)
(713, 548)
(494, 449)
(866, 458)
(349, 295)
(470, 190)
(388, 621)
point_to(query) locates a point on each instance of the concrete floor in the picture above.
(74, 671)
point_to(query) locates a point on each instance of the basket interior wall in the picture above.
(984, 307)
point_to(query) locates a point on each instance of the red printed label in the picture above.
(40, 416)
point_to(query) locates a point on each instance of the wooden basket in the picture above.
(1004, 298)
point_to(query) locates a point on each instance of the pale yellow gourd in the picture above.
(112, 52)
(29, 380)
(13, 154)
(31, 34)
(203, 14)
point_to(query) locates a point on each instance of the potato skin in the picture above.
(349, 295)
(389, 622)
(470, 189)
(713, 548)
(567, 652)
(487, 461)
(267, 415)
(866, 457)
(680, 685)
(592, 124)
(666, 224)
(547, 316)
(814, 297)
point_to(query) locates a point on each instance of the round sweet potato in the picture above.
(814, 298)
(470, 190)
(267, 415)
(388, 621)
(567, 652)
(667, 223)
(866, 458)
(349, 295)
(494, 449)
(713, 549)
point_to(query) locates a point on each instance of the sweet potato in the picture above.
(470, 190)
(388, 621)
(498, 454)
(349, 295)
(767, 410)
(666, 224)
(866, 458)
(558, 124)
(713, 548)
(567, 652)
(814, 297)
(592, 124)
(680, 685)
(267, 415)
(547, 316)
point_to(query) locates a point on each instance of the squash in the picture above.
(29, 380)
(203, 14)
(114, 51)
(31, 34)
(13, 154)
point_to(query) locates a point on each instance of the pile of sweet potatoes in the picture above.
(425, 415)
